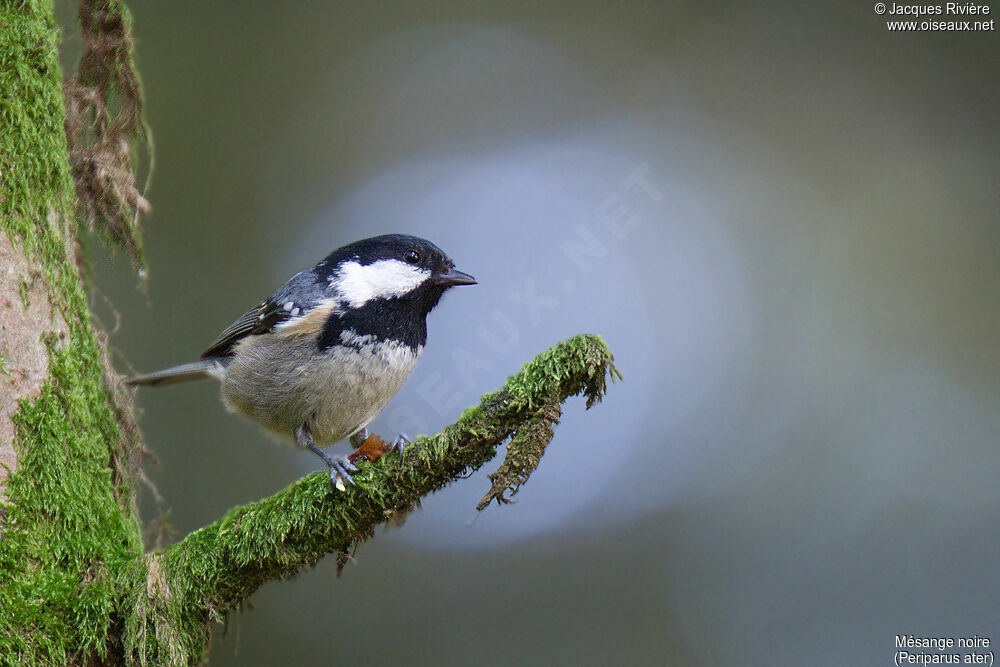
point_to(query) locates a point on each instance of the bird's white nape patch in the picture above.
(358, 284)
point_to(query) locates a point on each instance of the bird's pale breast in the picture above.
(283, 382)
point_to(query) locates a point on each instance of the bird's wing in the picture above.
(259, 320)
(296, 300)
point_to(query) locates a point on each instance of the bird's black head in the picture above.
(386, 285)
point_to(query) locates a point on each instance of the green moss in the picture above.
(65, 533)
(24, 293)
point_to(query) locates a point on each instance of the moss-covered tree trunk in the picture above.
(76, 586)
(69, 525)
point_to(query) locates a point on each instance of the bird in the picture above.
(320, 358)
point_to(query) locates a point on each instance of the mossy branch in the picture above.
(213, 569)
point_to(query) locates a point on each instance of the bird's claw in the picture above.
(340, 472)
(371, 449)
(400, 444)
(341, 467)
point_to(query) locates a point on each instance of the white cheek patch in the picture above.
(358, 284)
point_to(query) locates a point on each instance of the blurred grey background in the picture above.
(781, 217)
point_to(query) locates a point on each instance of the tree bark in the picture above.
(76, 585)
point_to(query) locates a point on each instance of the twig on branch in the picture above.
(524, 452)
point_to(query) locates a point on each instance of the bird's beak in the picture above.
(454, 277)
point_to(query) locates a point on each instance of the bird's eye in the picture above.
(412, 256)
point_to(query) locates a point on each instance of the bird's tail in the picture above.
(196, 370)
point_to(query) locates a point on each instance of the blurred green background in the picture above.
(783, 219)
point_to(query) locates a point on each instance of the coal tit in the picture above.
(321, 358)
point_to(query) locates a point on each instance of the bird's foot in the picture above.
(401, 443)
(341, 467)
(340, 472)
(369, 447)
